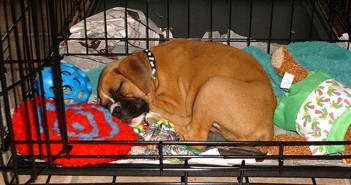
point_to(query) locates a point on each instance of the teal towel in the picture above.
(94, 75)
(314, 56)
(326, 57)
(265, 60)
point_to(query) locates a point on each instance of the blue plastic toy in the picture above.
(76, 85)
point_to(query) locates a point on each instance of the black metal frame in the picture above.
(31, 31)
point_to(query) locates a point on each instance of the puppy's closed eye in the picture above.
(118, 91)
(105, 100)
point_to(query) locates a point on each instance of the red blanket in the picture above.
(85, 122)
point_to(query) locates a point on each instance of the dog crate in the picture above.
(36, 34)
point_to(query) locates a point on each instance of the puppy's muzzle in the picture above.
(127, 109)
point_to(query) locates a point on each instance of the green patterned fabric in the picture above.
(319, 108)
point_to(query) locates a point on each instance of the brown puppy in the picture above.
(199, 86)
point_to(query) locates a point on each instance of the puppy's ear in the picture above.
(136, 69)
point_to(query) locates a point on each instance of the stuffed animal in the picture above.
(161, 130)
(283, 62)
(316, 106)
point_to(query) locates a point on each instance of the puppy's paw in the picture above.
(185, 135)
(151, 117)
(198, 147)
(180, 136)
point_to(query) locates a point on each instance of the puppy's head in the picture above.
(125, 86)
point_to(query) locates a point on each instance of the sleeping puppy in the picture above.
(200, 86)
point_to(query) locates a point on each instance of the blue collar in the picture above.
(152, 61)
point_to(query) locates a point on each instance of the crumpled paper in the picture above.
(87, 37)
(217, 160)
(116, 28)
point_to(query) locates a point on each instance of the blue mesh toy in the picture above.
(76, 85)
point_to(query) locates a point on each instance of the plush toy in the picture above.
(316, 106)
(85, 122)
(283, 62)
(161, 130)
